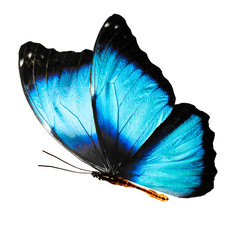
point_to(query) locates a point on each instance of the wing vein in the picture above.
(86, 133)
(142, 132)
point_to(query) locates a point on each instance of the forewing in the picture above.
(130, 95)
(57, 87)
(178, 158)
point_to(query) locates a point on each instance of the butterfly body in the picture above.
(125, 183)
(114, 110)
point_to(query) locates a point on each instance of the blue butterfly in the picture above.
(114, 110)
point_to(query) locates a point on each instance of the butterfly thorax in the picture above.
(108, 177)
(125, 183)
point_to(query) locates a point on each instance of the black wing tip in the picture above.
(34, 58)
(26, 54)
(28, 46)
(115, 18)
(26, 50)
(25, 62)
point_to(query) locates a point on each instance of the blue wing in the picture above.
(57, 86)
(130, 95)
(178, 158)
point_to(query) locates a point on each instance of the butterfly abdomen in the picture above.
(125, 183)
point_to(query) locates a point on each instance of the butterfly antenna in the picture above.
(64, 169)
(81, 169)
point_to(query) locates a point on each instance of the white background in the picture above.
(197, 46)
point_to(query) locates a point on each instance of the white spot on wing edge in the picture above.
(29, 55)
(116, 26)
(107, 24)
(21, 62)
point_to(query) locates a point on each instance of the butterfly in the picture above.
(114, 110)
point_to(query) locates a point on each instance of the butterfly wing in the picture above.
(57, 87)
(178, 158)
(130, 95)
